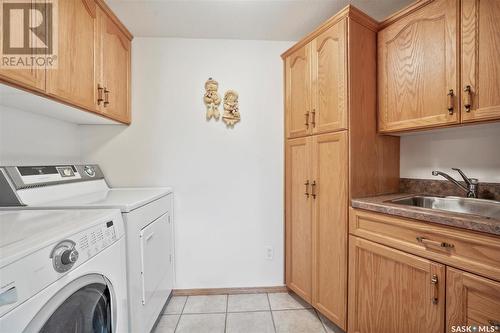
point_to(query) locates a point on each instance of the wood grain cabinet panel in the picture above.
(32, 78)
(74, 79)
(298, 217)
(298, 92)
(463, 249)
(93, 52)
(330, 204)
(471, 300)
(391, 291)
(330, 119)
(480, 60)
(114, 70)
(329, 79)
(418, 69)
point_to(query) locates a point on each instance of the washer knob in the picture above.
(69, 257)
(89, 170)
(64, 255)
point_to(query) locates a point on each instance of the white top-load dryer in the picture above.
(147, 215)
(62, 271)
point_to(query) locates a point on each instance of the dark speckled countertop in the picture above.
(381, 204)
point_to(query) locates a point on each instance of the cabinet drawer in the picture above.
(459, 248)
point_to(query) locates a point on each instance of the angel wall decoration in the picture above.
(231, 108)
(212, 99)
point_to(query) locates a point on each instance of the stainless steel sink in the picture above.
(480, 207)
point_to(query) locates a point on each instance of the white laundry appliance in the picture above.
(146, 212)
(62, 271)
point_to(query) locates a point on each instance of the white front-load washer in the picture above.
(62, 271)
(147, 214)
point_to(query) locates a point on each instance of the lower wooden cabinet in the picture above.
(316, 222)
(298, 227)
(392, 291)
(471, 300)
(397, 285)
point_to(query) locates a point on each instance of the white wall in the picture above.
(475, 149)
(228, 182)
(29, 138)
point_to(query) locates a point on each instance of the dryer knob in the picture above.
(89, 170)
(69, 257)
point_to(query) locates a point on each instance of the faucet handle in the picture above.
(474, 181)
(466, 179)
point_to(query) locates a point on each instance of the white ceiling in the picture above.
(238, 19)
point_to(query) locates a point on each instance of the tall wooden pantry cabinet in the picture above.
(333, 153)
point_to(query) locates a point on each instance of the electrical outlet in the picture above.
(269, 253)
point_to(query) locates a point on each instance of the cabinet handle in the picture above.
(307, 119)
(313, 189)
(313, 122)
(307, 188)
(426, 241)
(106, 97)
(99, 94)
(450, 101)
(467, 98)
(434, 282)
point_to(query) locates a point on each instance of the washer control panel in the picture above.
(86, 245)
(96, 239)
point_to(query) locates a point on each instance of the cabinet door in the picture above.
(298, 228)
(31, 78)
(298, 92)
(471, 300)
(114, 69)
(391, 291)
(74, 80)
(417, 59)
(329, 74)
(330, 177)
(480, 64)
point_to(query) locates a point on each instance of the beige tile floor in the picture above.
(245, 313)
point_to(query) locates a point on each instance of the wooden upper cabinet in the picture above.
(298, 92)
(391, 291)
(114, 69)
(298, 217)
(330, 204)
(74, 80)
(31, 78)
(418, 69)
(471, 300)
(480, 60)
(329, 79)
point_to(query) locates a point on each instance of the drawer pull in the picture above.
(307, 188)
(313, 122)
(307, 119)
(313, 189)
(434, 282)
(426, 241)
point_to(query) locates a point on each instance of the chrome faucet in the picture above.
(471, 183)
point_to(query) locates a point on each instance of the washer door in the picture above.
(82, 306)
